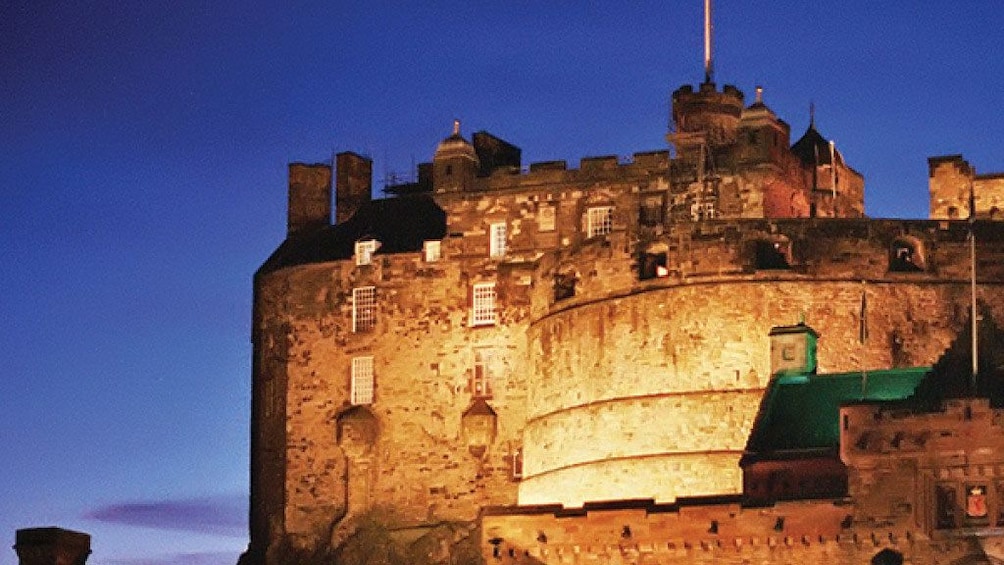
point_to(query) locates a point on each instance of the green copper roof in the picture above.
(802, 412)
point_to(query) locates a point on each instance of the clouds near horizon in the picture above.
(224, 515)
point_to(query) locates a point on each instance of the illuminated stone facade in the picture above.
(496, 336)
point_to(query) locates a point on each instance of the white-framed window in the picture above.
(361, 385)
(485, 363)
(496, 242)
(432, 250)
(365, 250)
(599, 220)
(483, 304)
(363, 308)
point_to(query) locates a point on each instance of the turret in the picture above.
(455, 165)
(705, 117)
(837, 190)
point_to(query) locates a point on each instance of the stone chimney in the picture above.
(309, 197)
(353, 184)
(52, 546)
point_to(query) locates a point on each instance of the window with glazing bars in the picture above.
(363, 308)
(483, 304)
(362, 381)
(599, 220)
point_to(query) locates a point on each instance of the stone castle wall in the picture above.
(801, 532)
(628, 389)
(406, 451)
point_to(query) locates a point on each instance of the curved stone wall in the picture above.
(652, 394)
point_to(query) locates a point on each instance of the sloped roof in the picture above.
(802, 412)
(401, 225)
(813, 148)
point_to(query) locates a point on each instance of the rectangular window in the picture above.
(599, 220)
(433, 251)
(365, 250)
(485, 359)
(362, 381)
(363, 308)
(545, 217)
(496, 243)
(483, 304)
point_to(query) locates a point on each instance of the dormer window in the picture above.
(364, 251)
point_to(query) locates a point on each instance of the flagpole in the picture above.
(708, 69)
(833, 176)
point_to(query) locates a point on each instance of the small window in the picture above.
(483, 304)
(599, 220)
(564, 286)
(651, 212)
(906, 256)
(485, 371)
(772, 255)
(545, 217)
(432, 250)
(363, 308)
(788, 352)
(362, 381)
(365, 250)
(496, 243)
(703, 210)
(653, 265)
(516, 461)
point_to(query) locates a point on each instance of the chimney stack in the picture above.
(353, 184)
(309, 197)
(51, 546)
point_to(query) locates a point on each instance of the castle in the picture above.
(559, 364)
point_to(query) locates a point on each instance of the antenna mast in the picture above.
(708, 68)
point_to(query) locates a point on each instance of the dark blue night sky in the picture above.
(143, 152)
